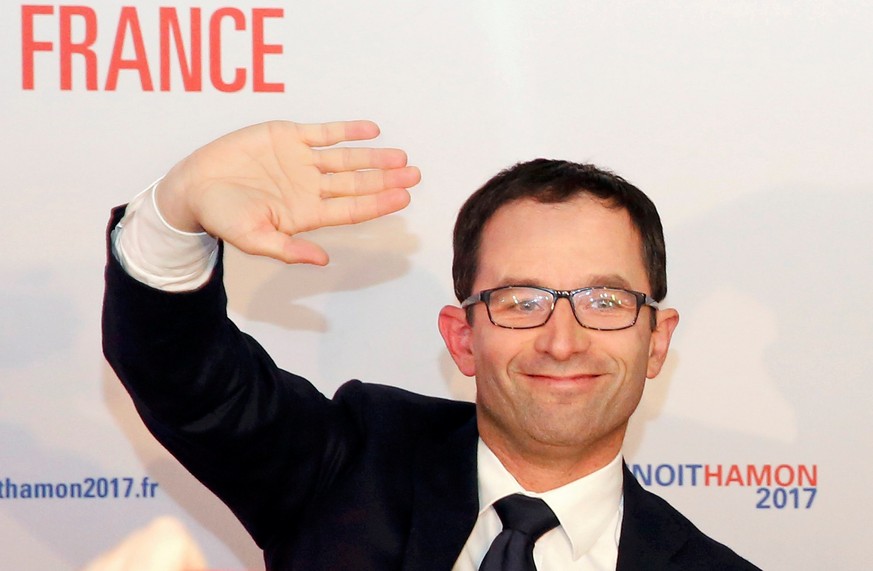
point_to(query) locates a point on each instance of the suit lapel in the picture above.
(446, 505)
(649, 535)
(446, 501)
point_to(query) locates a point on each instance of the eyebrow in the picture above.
(608, 280)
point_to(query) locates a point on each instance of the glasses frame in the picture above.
(484, 296)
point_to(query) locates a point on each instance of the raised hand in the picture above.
(258, 187)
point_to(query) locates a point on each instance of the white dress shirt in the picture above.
(589, 509)
(155, 253)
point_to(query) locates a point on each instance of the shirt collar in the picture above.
(584, 507)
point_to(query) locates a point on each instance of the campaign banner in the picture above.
(748, 124)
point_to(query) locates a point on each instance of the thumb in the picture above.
(282, 247)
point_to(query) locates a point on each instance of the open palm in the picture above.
(258, 187)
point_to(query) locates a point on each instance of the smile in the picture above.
(564, 379)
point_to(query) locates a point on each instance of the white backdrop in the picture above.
(749, 124)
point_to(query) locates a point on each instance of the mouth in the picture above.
(571, 379)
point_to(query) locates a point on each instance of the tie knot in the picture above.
(531, 516)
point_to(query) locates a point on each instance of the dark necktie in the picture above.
(525, 520)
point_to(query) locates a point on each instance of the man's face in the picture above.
(560, 388)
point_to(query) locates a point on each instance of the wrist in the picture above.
(171, 202)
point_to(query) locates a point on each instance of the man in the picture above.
(559, 268)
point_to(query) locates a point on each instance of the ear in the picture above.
(659, 343)
(457, 335)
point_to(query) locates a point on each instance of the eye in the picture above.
(521, 300)
(529, 304)
(608, 301)
(603, 304)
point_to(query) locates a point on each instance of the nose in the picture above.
(562, 337)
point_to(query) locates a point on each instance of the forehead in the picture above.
(564, 245)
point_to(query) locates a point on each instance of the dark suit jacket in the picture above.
(376, 478)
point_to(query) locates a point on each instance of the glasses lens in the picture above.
(520, 307)
(606, 308)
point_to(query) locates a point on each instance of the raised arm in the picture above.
(257, 188)
(266, 441)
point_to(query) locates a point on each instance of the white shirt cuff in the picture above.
(158, 255)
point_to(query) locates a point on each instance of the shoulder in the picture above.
(400, 407)
(652, 527)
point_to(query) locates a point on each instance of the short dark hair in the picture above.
(549, 182)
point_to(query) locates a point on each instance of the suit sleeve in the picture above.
(264, 440)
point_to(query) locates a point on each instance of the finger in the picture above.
(368, 181)
(354, 209)
(350, 159)
(283, 247)
(325, 134)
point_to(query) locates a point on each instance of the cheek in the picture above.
(490, 365)
(493, 356)
(492, 349)
(631, 354)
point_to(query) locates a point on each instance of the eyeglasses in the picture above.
(597, 307)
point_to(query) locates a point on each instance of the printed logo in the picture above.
(184, 52)
(90, 488)
(777, 486)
